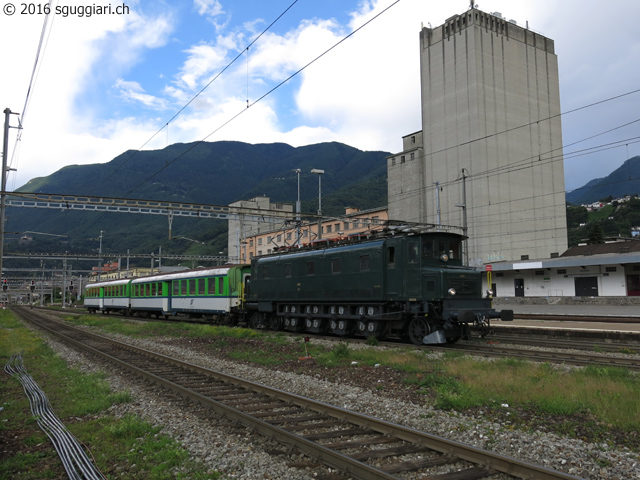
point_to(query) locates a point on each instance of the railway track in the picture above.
(358, 445)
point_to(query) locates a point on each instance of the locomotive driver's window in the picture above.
(413, 251)
(454, 249)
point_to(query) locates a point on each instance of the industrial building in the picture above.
(489, 155)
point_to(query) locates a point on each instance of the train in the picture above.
(392, 283)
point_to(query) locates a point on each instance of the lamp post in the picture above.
(319, 173)
(297, 170)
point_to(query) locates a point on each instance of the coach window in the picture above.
(192, 286)
(310, 268)
(147, 290)
(336, 265)
(153, 290)
(176, 287)
(201, 286)
(365, 263)
(220, 285)
(212, 286)
(183, 288)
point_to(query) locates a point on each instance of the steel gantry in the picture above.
(145, 207)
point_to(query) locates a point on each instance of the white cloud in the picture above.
(133, 91)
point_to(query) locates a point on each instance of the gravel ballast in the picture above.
(242, 454)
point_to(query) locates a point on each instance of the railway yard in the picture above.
(504, 441)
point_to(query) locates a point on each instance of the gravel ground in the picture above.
(240, 454)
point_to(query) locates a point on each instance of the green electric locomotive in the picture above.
(408, 285)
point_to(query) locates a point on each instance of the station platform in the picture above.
(615, 318)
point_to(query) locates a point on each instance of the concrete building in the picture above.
(491, 142)
(241, 229)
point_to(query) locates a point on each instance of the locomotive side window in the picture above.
(412, 247)
(287, 270)
(336, 265)
(427, 248)
(310, 268)
(391, 257)
(365, 263)
(265, 272)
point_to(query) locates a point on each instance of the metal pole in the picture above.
(319, 172)
(464, 218)
(100, 259)
(298, 209)
(5, 150)
(437, 184)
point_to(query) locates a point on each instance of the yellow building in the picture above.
(353, 222)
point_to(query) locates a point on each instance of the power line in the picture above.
(265, 95)
(246, 49)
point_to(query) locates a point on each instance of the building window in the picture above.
(402, 159)
(337, 227)
(539, 272)
(289, 236)
(259, 252)
(393, 162)
(413, 139)
(279, 238)
(610, 269)
(413, 156)
(328, 228)
(260, 241)
(251, 242)
(305, 233)
(268, 239)
(562, 271)
(524, 257)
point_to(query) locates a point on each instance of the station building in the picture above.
(610, 269)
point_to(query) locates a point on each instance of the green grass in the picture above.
(449, 381)
(126, 448)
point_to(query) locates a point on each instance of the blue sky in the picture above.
(108, 83)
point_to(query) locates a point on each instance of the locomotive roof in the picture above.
(357, 240)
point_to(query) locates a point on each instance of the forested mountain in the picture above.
(625, 180)
(212, 173)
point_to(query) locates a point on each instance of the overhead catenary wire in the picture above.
(40, 51)
(182, 109)
(286, 80)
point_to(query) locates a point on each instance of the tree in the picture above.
(596, 233)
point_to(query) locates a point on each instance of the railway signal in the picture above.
(32, 287)
(4, 285)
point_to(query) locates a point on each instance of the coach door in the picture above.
(586, 286)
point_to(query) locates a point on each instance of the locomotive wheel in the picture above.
(255, 320)
(275, 322)
(419, 327)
